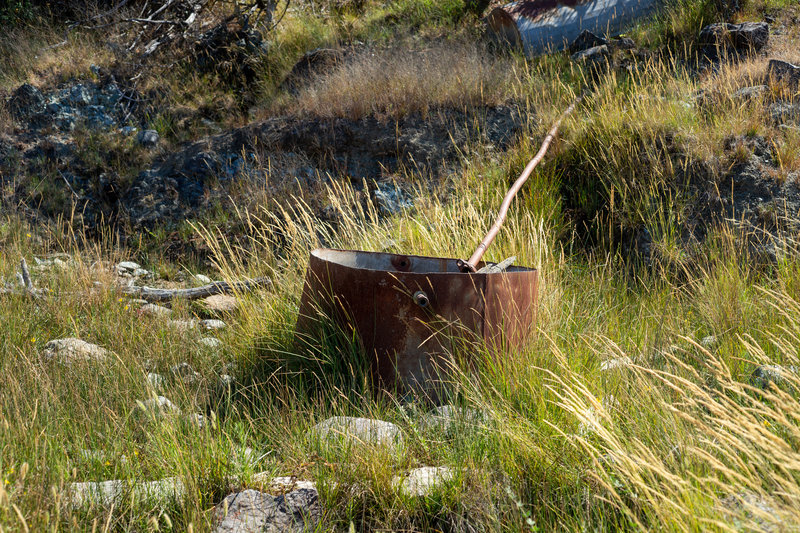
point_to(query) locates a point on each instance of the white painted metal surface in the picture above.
(539, 26)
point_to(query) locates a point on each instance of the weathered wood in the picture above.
(495, 268)
(152, 294)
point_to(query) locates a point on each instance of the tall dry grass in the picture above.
(395, 82)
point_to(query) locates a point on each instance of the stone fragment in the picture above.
(27, 100)
(747, 36)
(784, 113)
(71, 350)
(157, 382)
(212, 343)
(148, 138)
(764, 375)
(709, 341)
(211, 323)
(783, 72)
(750, 93)
(251, 511)
(617, 362)
(107, 493)
(196, 420)
(185, 373)
(359, 431)
(127, 267)
(159, 405)
(183, 325)
(596, 55)
(155, 310)
(586, 40)
(423, 481)
(221, 303)
(448, 417)
(205, 280)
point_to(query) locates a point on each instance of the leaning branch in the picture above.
(152, 294)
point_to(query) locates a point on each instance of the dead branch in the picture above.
(152, 294)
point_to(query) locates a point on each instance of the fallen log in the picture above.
(152, 294)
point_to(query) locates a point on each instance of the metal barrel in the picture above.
(539, 26)
(408, 311)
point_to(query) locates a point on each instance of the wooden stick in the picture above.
(152, 294)
(469, 266)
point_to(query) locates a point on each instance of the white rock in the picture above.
(159, 404)
(618, 362)
(283, 483)
(155, 310)
(196, 420)
(205, 280)
(211, 342)
(72, 350)
(708, 342)
(183, 325)
(128, 266)
(226, 381)
(106, 493)
(156, 382)
(448, 417)
(221, 303)
(423, 481)
(251, 511)
(359, 430)
(185, 373)
(211, 323)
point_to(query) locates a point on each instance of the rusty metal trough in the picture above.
(407, 310)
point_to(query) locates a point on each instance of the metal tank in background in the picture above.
(540, 26)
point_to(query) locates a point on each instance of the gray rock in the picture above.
(205, 280)
(596, 55)
(586, 40)
(750, 93)
(784, 112)
(226, 381)
(71, 350)
(423, 481)
(359, 431)
(148, 138)
(251, 511)
(27, 100)
(447, 417)
(749, 512)
(709, 341)
(159, 405)
(282, 484)
(185, 373)
(127, 267)
(783, 72)
(618, 362)
(211, 343)
(107, 493)
(221, 303)
(77, 95)
(157, 382)
(211, 323)
(391, 199)
(196, 420)
(183, 325)
(747, 36)
(764, 375)
(155, 310)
